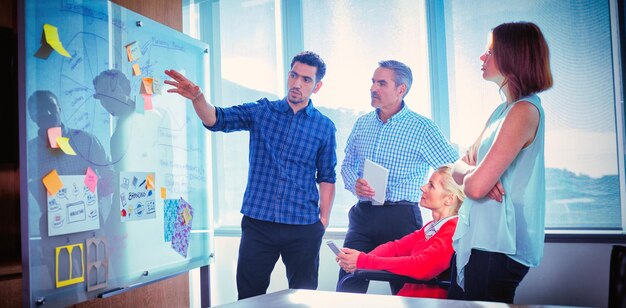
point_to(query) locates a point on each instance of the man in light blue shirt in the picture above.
(405, 143)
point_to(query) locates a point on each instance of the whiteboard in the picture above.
(143, 149)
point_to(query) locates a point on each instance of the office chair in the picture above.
(443, 280)
(617, 277)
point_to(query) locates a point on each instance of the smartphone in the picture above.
(333, 247)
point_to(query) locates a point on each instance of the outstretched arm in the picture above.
(187, 89)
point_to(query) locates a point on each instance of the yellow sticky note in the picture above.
(50, 40)
(53, 134)
(186, 215)
(149, 182)
(64, 143)
(146, 85)
(53, 182)
(163, 193)
(136, 70)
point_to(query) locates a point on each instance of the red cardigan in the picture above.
(416, 257)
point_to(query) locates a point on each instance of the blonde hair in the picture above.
(449, 185)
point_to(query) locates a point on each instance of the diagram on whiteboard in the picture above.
(74, 208)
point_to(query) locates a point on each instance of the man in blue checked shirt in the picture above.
(405, 143)
(292, 150)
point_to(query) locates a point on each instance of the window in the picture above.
(584, 155)
(248, 72)
(582, 166)
(352, 36)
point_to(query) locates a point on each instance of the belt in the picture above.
(401, 202)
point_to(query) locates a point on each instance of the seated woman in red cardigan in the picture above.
(423, 254)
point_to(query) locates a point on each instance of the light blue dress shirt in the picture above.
(408, 144)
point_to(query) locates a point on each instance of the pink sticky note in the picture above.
(53, 134)
(147, 101)
(91, 179)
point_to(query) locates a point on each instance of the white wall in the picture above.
(575, 274)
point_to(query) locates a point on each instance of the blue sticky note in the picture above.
(170, 209)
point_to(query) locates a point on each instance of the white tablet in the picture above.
(376, 176)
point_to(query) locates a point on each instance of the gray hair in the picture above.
(402, 72)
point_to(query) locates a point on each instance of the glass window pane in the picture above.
(352, 36)
(248, 68)
(583, 190)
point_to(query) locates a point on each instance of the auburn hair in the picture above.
(522, 55)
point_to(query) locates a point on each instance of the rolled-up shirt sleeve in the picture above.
(235, 118)
(327, 159)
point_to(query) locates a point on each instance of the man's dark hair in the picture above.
(312, 59)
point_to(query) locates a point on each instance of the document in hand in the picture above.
(376, 176)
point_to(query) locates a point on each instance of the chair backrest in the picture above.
(444, 278)
(617, 277)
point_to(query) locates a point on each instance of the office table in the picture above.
(311, 298)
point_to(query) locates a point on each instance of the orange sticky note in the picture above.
(186, 215)
(53, 134)
(146, 85)
(64, 144)
(53, 182)
(132, 51)
(149, 182)
(147, 101)
(163, 192)
(91, 179)
(136, 69)
(129, 54)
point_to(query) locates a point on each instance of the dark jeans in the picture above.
(489, 276)
(262, 242)
(370, 226)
